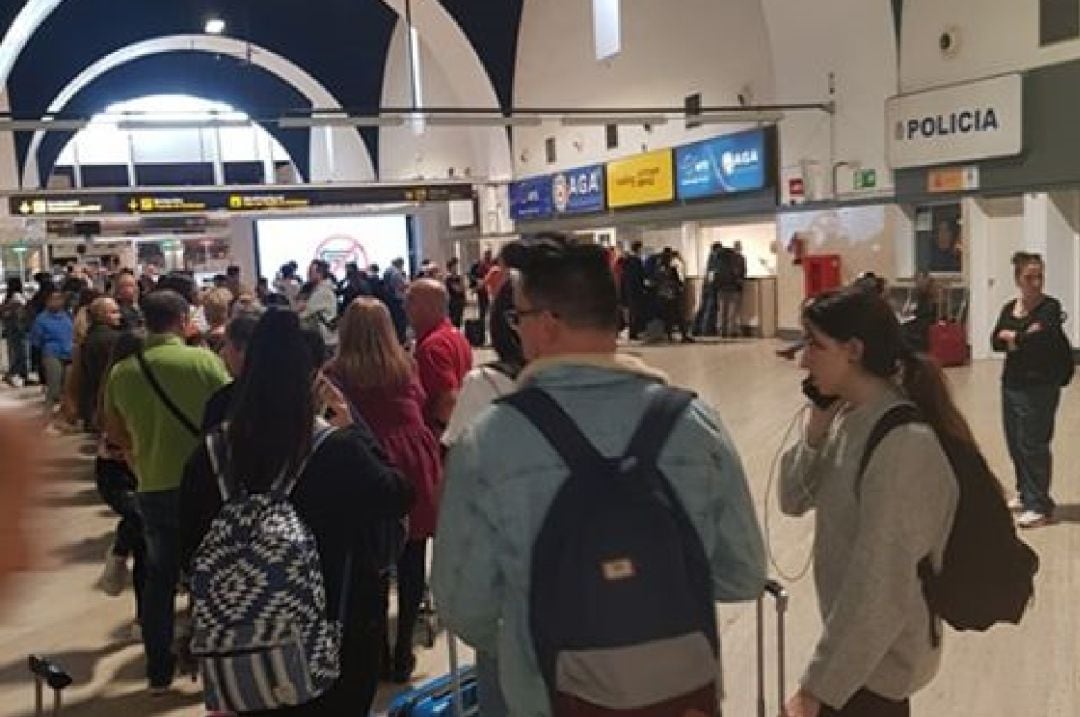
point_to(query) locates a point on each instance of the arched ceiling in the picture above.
(342, 43)
(245, 87)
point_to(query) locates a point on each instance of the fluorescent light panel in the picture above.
(451, 120)
(215, 26)
(603, 120)
(340, 121)
(179, 125)
(44, 125)
(736, 117)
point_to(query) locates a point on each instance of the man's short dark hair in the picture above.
(322, 267)
(573, 281)
(240, 330)
(164, 310)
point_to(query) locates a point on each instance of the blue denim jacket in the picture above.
(502, 476)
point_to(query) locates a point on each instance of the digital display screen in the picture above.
(337, 240)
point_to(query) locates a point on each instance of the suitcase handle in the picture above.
(49, 673)
(780, 596)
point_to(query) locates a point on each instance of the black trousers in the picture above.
(411, 578)
(865, 703)
(116, 484)
(457, 312)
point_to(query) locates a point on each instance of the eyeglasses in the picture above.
(514, 316)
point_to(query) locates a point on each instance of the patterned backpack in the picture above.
(261, 633)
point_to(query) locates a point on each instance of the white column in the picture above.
(690, 247)
(1061, 248)
(982, 314)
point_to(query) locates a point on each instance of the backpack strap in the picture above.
(895, 417)
(216, 445)
(666, 405)
(553, 422)
(288, 485)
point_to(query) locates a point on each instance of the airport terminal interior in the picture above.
(732, 162)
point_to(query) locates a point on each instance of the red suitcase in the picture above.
(948, 344)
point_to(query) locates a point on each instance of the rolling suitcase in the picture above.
(475, 333)
(454, 694)
(779, 595)
(51, 674)
(948, 344)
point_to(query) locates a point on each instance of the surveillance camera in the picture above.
(949, 41)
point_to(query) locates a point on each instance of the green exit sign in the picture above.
(866, 179)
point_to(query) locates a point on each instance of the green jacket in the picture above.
(137, 418)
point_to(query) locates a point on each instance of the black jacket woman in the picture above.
(1029, 332)
(346, 490)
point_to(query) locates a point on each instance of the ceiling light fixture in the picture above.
(466, 120)
(340, 121)
(622, 120)
(179, 125)
(215, 26)
(736, 117)
(43, 125)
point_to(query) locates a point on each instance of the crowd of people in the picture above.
(310, 438)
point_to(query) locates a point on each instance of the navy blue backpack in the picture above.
(621, 602)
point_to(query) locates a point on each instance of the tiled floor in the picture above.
(1029, 671)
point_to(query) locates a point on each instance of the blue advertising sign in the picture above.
(531, 198)
(722, 165)
(580, 190)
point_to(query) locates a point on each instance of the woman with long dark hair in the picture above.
(381, 382)
(345, 489)
(1029, 332)
(873, 526)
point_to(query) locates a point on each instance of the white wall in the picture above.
(866, 238)
(993, 231)
(404, 154)
(854, 41)
(669, 50)
(1063, 256)
(995, 36)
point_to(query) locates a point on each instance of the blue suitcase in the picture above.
(435, 698)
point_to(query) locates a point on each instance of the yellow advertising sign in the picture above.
(644, 179)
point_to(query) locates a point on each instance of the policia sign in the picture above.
(961, 123)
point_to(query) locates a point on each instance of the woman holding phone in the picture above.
(873, 526)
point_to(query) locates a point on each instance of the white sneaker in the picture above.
(116, 575)
(1032, 519)
(17, 381)
(1015, 505)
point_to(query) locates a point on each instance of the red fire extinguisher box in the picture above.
(822, 273)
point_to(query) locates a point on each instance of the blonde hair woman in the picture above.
(379, 379)
(216, 309)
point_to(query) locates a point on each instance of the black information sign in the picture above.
(250, 199)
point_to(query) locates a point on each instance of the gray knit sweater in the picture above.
(866, 548)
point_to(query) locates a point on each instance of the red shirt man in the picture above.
(443, 356)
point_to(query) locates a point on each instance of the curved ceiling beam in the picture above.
(30, 18)
(345, 140)
(447, 40)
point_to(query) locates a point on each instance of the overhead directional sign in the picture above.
(186, 200)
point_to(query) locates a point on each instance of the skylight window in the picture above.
(607, 28)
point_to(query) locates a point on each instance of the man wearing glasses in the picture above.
(502, 475)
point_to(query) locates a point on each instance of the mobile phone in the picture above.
(820, 400)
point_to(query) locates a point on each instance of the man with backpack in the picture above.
(591, 520)
(154, 404)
